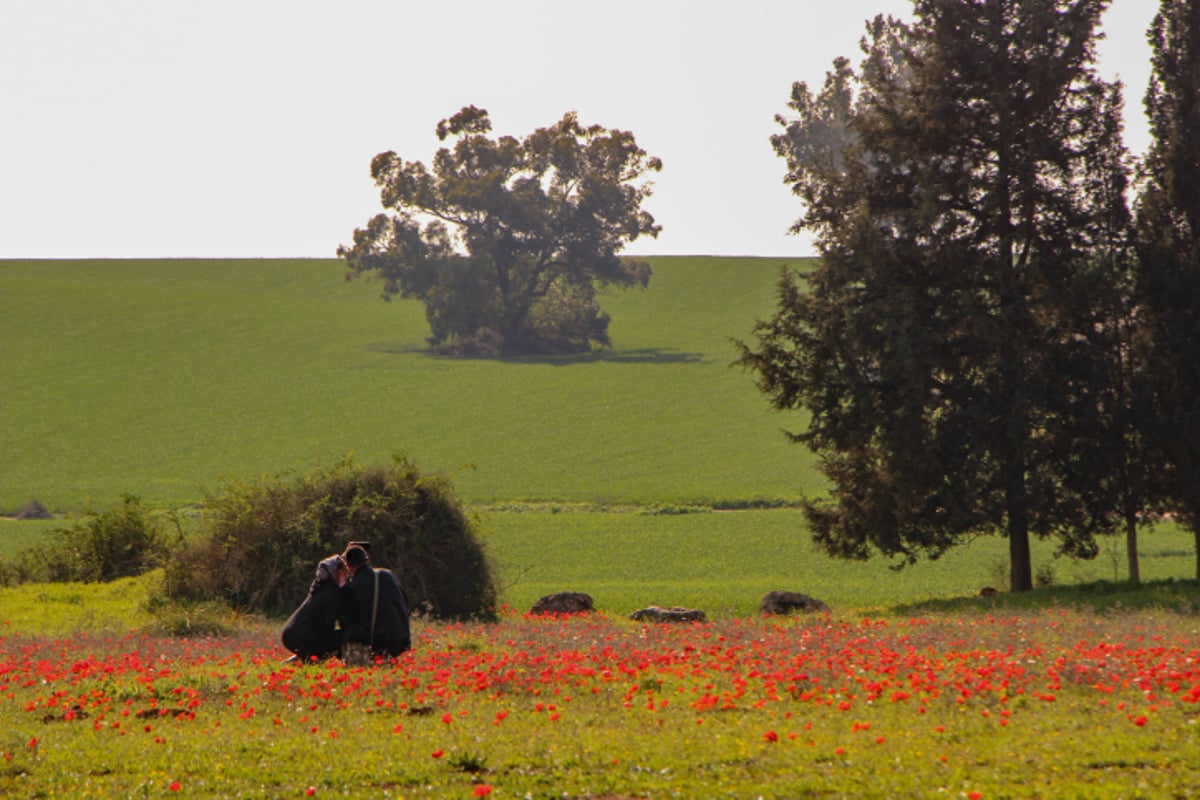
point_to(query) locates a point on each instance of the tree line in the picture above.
(996, 338)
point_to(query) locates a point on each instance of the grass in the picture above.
(722, 563)
(943, 704)
(161, 378)
(594, 474)
(725, 562)
(61, 609)
(17, 535)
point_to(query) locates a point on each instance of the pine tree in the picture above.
(963, 187)
(1168, 228)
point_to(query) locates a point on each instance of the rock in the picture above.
(787, 602)
(563, 603)
(672, 614)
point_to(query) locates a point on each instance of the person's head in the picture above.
(329, 568)
(355, 557)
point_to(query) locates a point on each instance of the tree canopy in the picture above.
(504, 240)
(1168, 242)
(965, 188)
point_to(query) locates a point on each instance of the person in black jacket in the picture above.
(373, 609)
(311, 631)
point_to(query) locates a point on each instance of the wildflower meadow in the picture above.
(616, 473)
(1056, 703)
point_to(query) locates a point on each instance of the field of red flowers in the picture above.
(1057, 703)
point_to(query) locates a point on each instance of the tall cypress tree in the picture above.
(960, 187)
(1168, 226)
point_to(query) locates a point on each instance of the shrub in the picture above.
(102, 546)
(209, 619)
(260, 541)
(33, 509)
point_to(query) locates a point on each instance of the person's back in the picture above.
(311, 631)
(390, 636)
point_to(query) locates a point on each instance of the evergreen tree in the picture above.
(1168, 227)
(964, 188)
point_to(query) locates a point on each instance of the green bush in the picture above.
(102, 546)
(206, 619)
(33, 509)
(260, 541)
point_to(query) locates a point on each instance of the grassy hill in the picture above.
(161, 378)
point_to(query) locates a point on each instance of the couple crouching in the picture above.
(353, 611)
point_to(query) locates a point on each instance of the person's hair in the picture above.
(355, 556)
(327, 570)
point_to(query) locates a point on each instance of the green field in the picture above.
(162, 378)
(649, 474)
(726, 562)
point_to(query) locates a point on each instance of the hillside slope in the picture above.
(161, 378)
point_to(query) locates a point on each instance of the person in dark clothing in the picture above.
(311, 631)
(373, 609)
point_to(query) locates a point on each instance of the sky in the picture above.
(245, 128)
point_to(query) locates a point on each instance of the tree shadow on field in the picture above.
(645, 355)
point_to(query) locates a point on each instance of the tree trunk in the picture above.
(1021, 566)
(1131, 547)
(1020, 561)
(1016, 492)
(1017, 509)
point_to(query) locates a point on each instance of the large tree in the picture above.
(506, 240)
(1168, 225)
(964, 188)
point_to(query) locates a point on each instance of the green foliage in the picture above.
(469, 762)
(261, 540)
(102, 546)
(190, 620)
(941, 344)
(60, 609)
(522, 232)
(1168, 228)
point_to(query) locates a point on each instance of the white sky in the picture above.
(245, 128)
